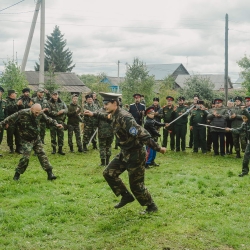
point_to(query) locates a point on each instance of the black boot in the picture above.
(11, 150)
(51, 176)
(151, 208)
(126, 198)
(71, 149)
(53, 150)
(60, 151)
(237, 154)
(19, 150)
(154, 164)
(94, 145)
(147, 166)
(84, 145)
(16, 176)
(102, 163)
(107, 160)
(80, 149)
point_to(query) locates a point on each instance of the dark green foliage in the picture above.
(244, 63)
(55, 53)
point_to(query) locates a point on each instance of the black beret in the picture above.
(11, 91)
(26, 90)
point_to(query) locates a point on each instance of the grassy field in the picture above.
(203, 204)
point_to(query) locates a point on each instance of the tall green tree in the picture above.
(55, 53)
(137, 80)
(200, 85)
(13, 78)
(244, 64)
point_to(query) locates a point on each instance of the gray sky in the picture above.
(99, 33)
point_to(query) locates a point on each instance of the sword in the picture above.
(188, 110)
(92, 137)
(210, 126)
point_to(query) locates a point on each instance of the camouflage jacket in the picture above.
(237, 121)
(2, 109)
(104, 126)
(11, 107)
(28, 125)
(87, 120)
(43, 102)
(244, 128)
(26, 102)
(55, 107)
(73, 116)
(130, 135)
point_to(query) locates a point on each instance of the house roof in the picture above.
(217, 80)
(160, 71)
(240, 80)
(69, 82)
(115, 81)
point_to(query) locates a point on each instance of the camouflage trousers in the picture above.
(88, 132)
(239, 139)
(12, 131)
(105, 146)
(56, 132)
(27, 147)
(74, 129)
(245, 163)
(134, 162)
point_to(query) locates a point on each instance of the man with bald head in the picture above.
(28, 123)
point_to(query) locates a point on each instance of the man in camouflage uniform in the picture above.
(45, 108)
(90, 124)
(95, 100)
(236, 118)
(24, 101)
(180, 124)
(132, 156)
(57, 111)
(167, 114)
(105, 138)
(28, 122)
(2, 114)
(74, 109)
(12, 130)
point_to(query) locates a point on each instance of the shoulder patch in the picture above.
(133, 131)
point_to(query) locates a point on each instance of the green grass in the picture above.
(203, 204)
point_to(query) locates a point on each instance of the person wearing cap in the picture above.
(180, 124)
(12, 129)
(24, 101)
(167, 114)
(239, 140)
(247, 103)
(74, 111)
(2, 114)
(209, 135)
(229, 137)
(151, 125)
(199, 115)
(132, 157)
(95, 100)
(45, 108)
(28, 123)
(58, 111)
(90, 124)
(137, 109)
(218, 117)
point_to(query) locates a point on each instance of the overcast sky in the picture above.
(99, 33)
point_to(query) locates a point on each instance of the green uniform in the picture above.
(132, 157)
(12, 130)
(181, 127)
(105, 137)
(236, 123)
(199, 132)
(44, 104)
(29, 129)
(54, 108)
(90, 125)
(167, 114)
(73, 125)
(2, 116)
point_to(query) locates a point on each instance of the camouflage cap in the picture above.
(40, 90)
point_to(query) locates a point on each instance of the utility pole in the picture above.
(32, 28)
(119, 75)
(226, 59)
(42, 41)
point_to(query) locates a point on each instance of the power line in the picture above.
(16, 13)
(11, 5)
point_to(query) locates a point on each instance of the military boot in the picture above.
(84, 145)
(71, 149)
(11, 150)
(51, 176)
(237, 154)
(102, 163)
(19, 150)
(53, 150)
(16, 176)
(80, 149)
(154, 164)
(60, 151)
(107, 160)
(150, 209)
(126, 198)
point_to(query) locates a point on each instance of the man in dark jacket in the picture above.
(137, 109)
